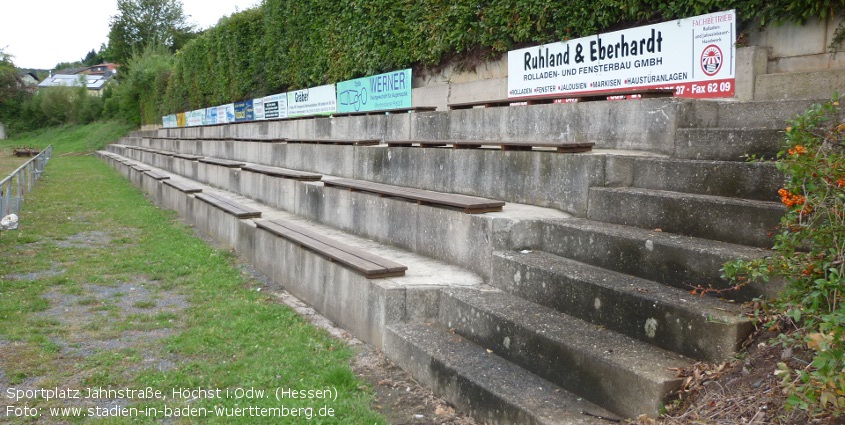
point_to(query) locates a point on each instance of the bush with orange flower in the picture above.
(809, 252)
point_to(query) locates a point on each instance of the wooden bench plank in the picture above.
(381, 261)
(228, 205)
(187, 156)
(562, 98)
(466, 203)
(139, 167)
(353, 142)
(157, 175)
(504, 145)
(256, 139)
(183, 186)
(223, 162)
(282, 172)
(370, 265)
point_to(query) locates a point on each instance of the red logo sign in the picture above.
(711, 60)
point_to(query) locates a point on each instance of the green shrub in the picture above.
(810, 255)
(285, 44)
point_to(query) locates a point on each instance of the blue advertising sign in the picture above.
(211, 116)
(244, 111)
(376, 93)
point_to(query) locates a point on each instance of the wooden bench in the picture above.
(370, 265)
(222, 162)
(228, 205)
(389, 111)
(561, 98)
(257, 139)
(465, 203)
(187, 156)
(514, 145)
(282, 172)
(157, 175)
(491, 103)
(183, 186)
(138, 167)
(352, 142)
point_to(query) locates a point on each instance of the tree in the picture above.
(13, 95)
(142, 23)
(93, 58)
(9, 83)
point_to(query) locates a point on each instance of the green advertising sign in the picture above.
(375, 93)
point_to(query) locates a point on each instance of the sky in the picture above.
(40, 34)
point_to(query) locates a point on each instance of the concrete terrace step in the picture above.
(485, 385)
(739, 221)
(446, 234)
(619, 373)
(760, 113)
(699, 327)
(681, 261)
(747, 180)
(362, 306)
(800, 85)
(727, 144)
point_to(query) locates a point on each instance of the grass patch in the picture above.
(220, 333)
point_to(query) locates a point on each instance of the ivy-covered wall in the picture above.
(293, 44)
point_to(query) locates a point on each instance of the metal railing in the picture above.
(13, 189)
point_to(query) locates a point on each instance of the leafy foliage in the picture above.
(286, 44)
(142, 23)
(13, 94)
(810, 255)
(136, 98)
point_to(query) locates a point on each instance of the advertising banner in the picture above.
(196, 117)
(180, 119)
(376, 93)
(258, 108)
(226, 113)
(168, 121)
(244, 111)
(320, 100)
(276, 106)
(694, 56)
(211, 116)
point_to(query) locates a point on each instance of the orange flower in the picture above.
(798, 150)
(790, 199)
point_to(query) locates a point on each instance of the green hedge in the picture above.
(292, 44)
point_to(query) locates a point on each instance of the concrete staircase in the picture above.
(573, 304)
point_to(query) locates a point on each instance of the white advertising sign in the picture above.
(195, 118)
(258, 108)
(320, 100)
(226, 113)
(693, 56)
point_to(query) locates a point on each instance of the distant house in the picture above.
(96, 77)
(28, 79)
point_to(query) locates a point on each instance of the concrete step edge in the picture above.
(681, 261)
(739, 221)
(617, 372)
(699, 327)
(715, 199)
(487, 386)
